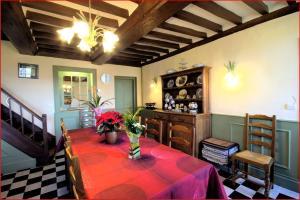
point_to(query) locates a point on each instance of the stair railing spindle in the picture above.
(10, 112)
(32, 122)
(45, 132)
(22, 121)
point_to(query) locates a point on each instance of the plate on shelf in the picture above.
(170, 83)
(167, 95)
(199, 79)
(181, 81)
(199, 93)
(182, 94)
(170, 71)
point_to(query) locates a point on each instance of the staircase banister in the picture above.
(23, 106)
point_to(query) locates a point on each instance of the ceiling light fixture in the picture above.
(88, 33)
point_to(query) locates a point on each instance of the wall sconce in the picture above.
(153, 82)
(231, 77)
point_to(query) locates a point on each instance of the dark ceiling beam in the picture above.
(62, 54)
(140, 52)
(144, 19)
(170, 37)
(105, 7)
(124, 62)
(46, 35)
(53, 21)
(67, 11)
(273, 15)
(125, 54)
(117, 56)
(258, 6)
(150, 48)
(55, 47)
(219, 11)
(54, 42)
(291, 2)
(159, 43)
(42, 27)
(16, 29)
(199, 21)
(183, 30)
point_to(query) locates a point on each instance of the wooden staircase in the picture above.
(24, 134)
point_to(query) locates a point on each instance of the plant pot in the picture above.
(111, 137)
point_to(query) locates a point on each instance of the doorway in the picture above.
(125, 94)
(73, 87)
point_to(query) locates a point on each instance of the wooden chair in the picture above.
(154, 127)
(64, 131)
(75, 175)
(185, 132)
(258, 126)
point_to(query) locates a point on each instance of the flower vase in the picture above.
(134, 148)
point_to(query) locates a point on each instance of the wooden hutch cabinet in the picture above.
(186, 88)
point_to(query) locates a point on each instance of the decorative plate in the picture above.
(182, 94)
(167, 95)
(170, 83)
(199, 93)
(199, 79)
(170, 71)
(181, 81)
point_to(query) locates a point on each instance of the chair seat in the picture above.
(253, 158)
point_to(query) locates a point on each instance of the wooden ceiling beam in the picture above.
(42, 27)
(62, 54)
(124, 62)
(117, 56)
(67, 11)
(146, 17)
(140, 52)
(219, 11)
(105, 7)
(183, 30)
(159, 43)
(54, 42)
(258, 6)
(199, 21)
(56, 47)
(16, 29)
(291, 2)
(273, 15)
(46, 35)
(150, 48)
(131, 55)
(170, 37)
(53, 21)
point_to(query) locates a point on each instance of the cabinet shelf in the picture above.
(189, 100)
(184, 87)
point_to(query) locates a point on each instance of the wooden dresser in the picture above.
(200, 121)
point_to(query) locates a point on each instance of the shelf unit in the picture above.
(192, 74)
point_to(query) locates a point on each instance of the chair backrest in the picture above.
(187, 132)
(75, 175)
(64, 131)
(154, 127)
(263, 127)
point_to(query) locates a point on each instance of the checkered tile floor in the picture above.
(50, 182)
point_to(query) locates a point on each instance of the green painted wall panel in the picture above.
(286, 168)
(14, 160)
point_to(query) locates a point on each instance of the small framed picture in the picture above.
(28, 71)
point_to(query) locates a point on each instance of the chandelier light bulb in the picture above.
(83, 46)
(109, 41)
(66, 34)
(81, 28)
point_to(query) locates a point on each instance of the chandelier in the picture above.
(88, 32)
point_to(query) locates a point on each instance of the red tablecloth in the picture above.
(161, 172)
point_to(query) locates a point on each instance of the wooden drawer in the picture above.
(161, 116)
(183, 119)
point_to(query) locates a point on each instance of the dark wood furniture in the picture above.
(184, 138)
(259, 131)
(154, 127)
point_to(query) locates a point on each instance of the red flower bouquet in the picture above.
(109, 122)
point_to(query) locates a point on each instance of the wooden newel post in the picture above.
(45, 132)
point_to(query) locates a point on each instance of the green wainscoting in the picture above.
(14, 160)
(230, 128)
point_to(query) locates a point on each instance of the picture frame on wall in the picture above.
(30, 71)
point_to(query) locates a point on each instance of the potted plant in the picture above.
(109, 123)
(134, 131)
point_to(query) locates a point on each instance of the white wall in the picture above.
(267, 64)
(37, 94)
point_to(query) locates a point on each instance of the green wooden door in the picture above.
(72, 88)
(125, 94)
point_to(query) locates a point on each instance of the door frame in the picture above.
(134, 79)
(56, 70)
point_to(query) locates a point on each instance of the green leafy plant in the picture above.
(230, 66)
(95, 102)
(131, 122)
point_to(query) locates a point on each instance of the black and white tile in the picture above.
(46, 182)
(50, 182)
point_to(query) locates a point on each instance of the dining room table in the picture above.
(160, 173)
